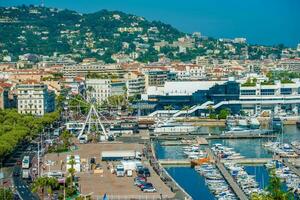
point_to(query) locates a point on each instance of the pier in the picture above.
(241, 136)
(235, 187)
(208, 136)
(295, 149)
(196, 141)
(289, 165)
(174, 162)
(252, 161)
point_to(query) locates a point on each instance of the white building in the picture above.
(135, 83)
(35, 98)
(101, 89)
(189, 72)
(98, 89)
(279, 98)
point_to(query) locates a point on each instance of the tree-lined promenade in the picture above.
(16, 128)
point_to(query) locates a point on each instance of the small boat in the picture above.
(298, 124)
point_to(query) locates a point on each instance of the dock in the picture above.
(252, 161)
(230, 180)
(174, 162)
(295, 149)
(241, 136)
(289, 165)
(184, 142)
(208, 136)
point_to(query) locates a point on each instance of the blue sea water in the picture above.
(260, 21)
(191, 181)
(261, 176)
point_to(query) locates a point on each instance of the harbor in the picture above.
(172, 156)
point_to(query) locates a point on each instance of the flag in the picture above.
(105, 197)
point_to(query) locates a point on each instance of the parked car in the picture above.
(149, 189)
(147, 172)
(129, 173)
(140, 183)
(140, 172)
(139, 178)
(138, 167)
(146, 185)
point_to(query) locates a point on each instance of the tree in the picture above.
(186, 108)
(274, 190)
(70, 180)
(42, 184)
(71, 170)
(65, 137)
(224, 113)
(6, 194)
(210, 109)
(168, 108)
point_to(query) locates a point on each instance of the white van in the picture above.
(120, 170)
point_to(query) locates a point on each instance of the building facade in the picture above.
(35, 98)
(278, 98)
(135, 83)
(8, 98)
(98, 89)
(84, 69)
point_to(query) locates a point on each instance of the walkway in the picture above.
(235, 187)
(250, 160)
(289, 165)
(174, 162)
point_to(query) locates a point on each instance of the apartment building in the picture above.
(100, 89)
(35, 98)
(84, 69)
(7, 98)
(135, 83)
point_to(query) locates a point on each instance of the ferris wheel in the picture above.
(92, 120)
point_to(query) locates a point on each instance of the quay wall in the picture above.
(180, 192)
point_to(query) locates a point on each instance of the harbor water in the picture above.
(194, 183)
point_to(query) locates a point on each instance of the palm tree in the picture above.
(71, 170)
(168, 108)
(42, 184)
(274, 190)
(210, 108)
(186, 108)
(52, 183)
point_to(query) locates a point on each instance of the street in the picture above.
(21, 186)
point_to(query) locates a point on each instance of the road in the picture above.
(21, 186)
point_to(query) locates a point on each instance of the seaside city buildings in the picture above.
(221, 82)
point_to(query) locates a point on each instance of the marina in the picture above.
(256, 156)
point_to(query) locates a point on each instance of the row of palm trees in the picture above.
(184, 108)
(46, 185)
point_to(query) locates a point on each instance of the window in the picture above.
(285, 91)
(248, 92)
(267, 91)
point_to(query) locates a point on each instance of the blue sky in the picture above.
(260, 21)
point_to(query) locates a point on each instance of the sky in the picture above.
(266, 22)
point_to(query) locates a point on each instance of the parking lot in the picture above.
(105, 182)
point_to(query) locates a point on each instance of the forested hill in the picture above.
(46, 30)
(109, 35)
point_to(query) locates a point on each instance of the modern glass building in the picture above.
(277, 98)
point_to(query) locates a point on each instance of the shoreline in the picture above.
(176, 188)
